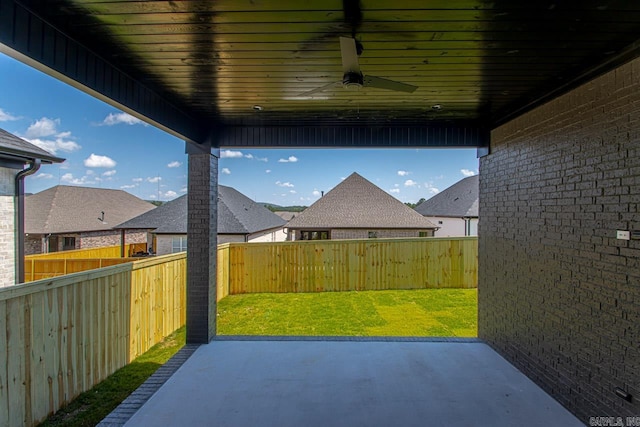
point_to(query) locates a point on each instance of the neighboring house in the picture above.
(286, 215)
(357, 209)
(454, 210)
(15, 153)
(240, 219)
(65, 217)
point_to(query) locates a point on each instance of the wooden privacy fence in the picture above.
(37, 269)
(347, 265)
(101, 252)
(61, 336)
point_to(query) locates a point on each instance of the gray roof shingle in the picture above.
(67, 209)
(459, 200)
(237, 214)
(19, 148)
(358, 203)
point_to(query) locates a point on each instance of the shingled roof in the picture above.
(237, 214)
(17, 148)
(68, 209)
(358, 203)
(459, 200)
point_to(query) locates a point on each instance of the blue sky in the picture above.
(107, 148)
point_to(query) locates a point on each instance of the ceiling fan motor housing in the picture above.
(352, 80)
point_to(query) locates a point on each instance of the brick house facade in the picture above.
(558, 293)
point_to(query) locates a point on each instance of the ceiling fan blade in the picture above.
(309, 94)
(349, 54)
(380, 83)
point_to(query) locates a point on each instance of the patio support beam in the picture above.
(202, 242)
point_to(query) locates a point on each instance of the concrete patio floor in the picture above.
(349, 383)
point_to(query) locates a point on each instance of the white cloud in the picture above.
(285, 184)
(231, 154)
(42, 128)
(152, 197)
(89, 172)
(97, 161)
(43, 175)
(174, 164)
(127, 119)
(70, 179)
(110, 173)
(248, 156)
(169, 194)
(262, 159)
(316, 193)
(467, 172)
(39, 131)
(226, 171)
(126, 187)
(403, 173)
(290, 159)
(431, 189)
(293, 191)
(137, 180)
(394, 190)
(53, 146)
(6, 117)
(268, 171)
(183, 190)
(154, 179)
(410, 183)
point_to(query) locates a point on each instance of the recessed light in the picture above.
(257, 108)
(436, 107)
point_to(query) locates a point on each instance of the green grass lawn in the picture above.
(431, 312)
(425, 312)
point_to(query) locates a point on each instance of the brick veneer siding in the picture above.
(202, 226)
(363, 233)
(7, 227)
(86, 240)
(558, 295)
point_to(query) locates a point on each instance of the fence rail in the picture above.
(61, 336)
(101, 252)
(347, 265)
(38, 269)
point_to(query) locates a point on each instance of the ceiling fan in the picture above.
(353, 79)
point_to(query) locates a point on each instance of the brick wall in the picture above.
(558, 295)
(7, 228)
(355, 233)
(97, 239)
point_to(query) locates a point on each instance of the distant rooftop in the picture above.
(18, 149)
(68, 209)
(459, 200)
(237, 214)
(358, 203)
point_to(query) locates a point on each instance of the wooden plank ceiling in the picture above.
(238, 62)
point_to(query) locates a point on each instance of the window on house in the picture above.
(373, 234)
(179, 244)
(314, 235)
(69, 243)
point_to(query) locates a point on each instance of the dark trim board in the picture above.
(440, 135)
(31, 40)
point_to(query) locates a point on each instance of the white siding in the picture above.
(269, 236)
(453, 227)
